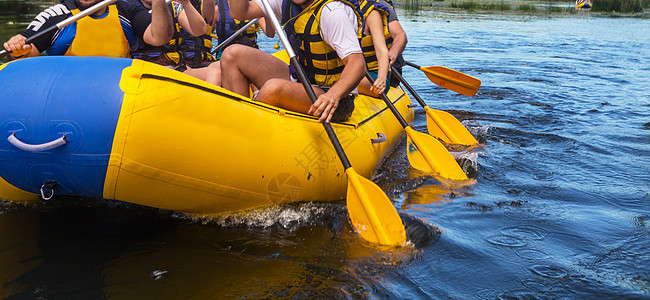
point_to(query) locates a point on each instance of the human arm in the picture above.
(18, 49)
(209, 11)
(326, 104)
(246, 10)
(375, 25)
(161, 30)
(39, 31)
(215, 19)
(399, 41)
(190, 19)
(267, 27)
(339, 29)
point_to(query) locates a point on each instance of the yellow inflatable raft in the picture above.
(137, 132)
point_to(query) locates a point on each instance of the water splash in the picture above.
(286, 216)
(468, 161)
(11, 207)
(418, 232)
(479, 132)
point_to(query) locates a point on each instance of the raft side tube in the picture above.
(46, 97)
(184, 145)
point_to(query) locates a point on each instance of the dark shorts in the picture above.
(399, 63)
(344, 111)
(374, 75)
(345, 108)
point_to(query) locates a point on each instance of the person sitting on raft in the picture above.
(373, 42)
(188, 44)
(102, 34)
(399, 41)
(325, 34)
(197, 47)
(225, 26)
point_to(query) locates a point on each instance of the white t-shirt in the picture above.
(338, 25)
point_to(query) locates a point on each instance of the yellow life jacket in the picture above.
(166, 55)
(199, 46)
(99, 36)
(322, 65)
(171, 52)
(365, 41)
(251, 32)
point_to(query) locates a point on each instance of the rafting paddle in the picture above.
(441, 124)
(234, 35)
(425, 152)
(450, 79)
(371, 212)
(64, 23)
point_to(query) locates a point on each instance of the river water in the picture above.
(560, 208)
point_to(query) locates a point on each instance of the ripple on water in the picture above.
(532, 254)
(524, 232)
(536, 285)
(486, 294)
(549, 271)
(646, 126)
(520, 294)
(355, 290)
(370, 271)
(506, 241)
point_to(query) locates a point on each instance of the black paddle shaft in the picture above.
(328, 127)
(408, 87)
(305, 83)
(389, 104)
(412, 64)
(229, 40)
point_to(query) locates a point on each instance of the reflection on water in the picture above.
(411, 6)
(94, 249)
(22, 11)
(559, 206)
(15, 15)
(18, 249)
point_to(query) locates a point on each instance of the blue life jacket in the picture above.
(227, 26)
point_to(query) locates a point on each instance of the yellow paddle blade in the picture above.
(372, 213)
(452, 80)
(427, 154)
(446, 127)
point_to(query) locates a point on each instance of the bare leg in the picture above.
(211, 74)
(242, 65)
(286, 94)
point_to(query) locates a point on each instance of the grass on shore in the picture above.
(542, 6)
(624, 6)
(549, 7)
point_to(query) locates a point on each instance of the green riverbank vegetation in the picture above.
(623, 6)
(632, 8)
(609, 7)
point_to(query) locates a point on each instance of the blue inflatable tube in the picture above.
(39, 109)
